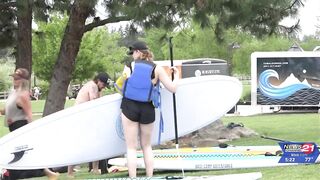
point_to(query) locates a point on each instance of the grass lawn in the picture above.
(38, 106)
(293, 127)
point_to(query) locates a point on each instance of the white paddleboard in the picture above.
(92, 130)
(215, 161)
(252, 150)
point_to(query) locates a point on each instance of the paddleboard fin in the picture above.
(17, 156)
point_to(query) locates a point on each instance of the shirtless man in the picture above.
(91, 90)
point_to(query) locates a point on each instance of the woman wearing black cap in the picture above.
(138, 113)
(17, 114)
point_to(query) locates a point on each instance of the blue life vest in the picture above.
(139, 86)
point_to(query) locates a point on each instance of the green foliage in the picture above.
(193, 41)
(8, 25)
(241, 60)
(188, 43)
(98, 52)
(309, 43)
(246, 94)
(45, 46)
(6, 68)
(156, 38)
(44, 88)
(259, 18)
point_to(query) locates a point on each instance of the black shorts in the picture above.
(142, 112)
(17, 124)
(23, 174)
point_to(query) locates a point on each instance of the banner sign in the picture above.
(285, 78)
(299, 152)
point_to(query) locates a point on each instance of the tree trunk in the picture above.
(65, 64)
(24, 36)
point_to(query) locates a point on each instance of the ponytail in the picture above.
(146, 55)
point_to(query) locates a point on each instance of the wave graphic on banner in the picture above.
(284, 90)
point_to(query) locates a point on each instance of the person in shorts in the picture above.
(138, 112)
(18, 113)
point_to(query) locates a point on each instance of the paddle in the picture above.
(277, 139)
(174, 102)
(274, 139)
(173, 95)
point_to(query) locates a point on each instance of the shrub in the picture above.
(6, 68)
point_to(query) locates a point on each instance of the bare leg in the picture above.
(145, 138)
(51, 175)
(70, 171)
(95, 167)
(131, 130)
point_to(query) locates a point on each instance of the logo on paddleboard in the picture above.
(198, 72)
(119, 128)
(19, 152)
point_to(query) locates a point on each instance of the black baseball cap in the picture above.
(137, 45)
(103, 77)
